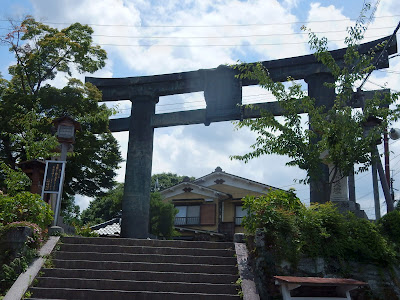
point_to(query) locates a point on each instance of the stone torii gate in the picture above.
(223, 96)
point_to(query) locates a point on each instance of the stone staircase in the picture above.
(118, 268)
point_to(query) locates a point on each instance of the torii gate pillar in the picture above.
(323, 95)
(136, 199)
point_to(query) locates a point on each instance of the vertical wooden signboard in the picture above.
(53, 183)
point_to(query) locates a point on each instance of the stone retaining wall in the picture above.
(384, 282)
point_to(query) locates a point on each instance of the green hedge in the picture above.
(27, 207)
(293, 230)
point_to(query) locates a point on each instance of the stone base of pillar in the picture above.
(345, 206)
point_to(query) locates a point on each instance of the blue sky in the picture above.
(157, 37)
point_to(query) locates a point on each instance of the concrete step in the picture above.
(155, 258)
(149, 243)
(141, 276)
(145, 266)
(145, 250)
(91, 294)
(131, 285)
(118, 268)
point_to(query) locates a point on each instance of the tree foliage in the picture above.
(162, 214)
(162, 181)
(162, 217)
(29, 104)
(27, 207)
(49, 50)
(338, 129)
(105, 207)
(292, 230)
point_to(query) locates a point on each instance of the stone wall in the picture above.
(14, 240)
(384, 282)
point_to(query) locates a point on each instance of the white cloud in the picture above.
(196, 150)
(330, 22)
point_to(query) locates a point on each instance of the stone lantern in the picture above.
(66, 128)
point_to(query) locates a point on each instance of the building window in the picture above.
(239, 214)
(188, 215)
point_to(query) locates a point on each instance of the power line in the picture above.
(381, 86)
(389, 71)
(395, 141)
(202, 101)
(208, 25)
(214, 45)
(224, 36)
(365, 175)
(358, 198)
(380, 55)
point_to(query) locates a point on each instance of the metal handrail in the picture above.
(187, 220)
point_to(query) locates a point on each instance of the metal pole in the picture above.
(392, 189)
(375, 187)
(59, 195)
(64, 151)
(386, 149)
(384, 183)
(352, 186)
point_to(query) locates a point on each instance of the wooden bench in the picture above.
(316, 288)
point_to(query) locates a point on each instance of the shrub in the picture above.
(267, 211)
(15, 261)
(275, 213)
(85, 230)
(389, 225)
(291, 230)
(27, 207)
(365, 243)
(322, 231)
(162, 217)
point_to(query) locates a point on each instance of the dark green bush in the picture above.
(365, 243)
(162, 217)
(389, 225)
(275, 213)
(291, 230)
(322, 231)
(271, 211)
(27, 207)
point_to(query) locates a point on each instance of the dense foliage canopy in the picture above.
(29, 104)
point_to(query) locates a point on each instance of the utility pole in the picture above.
(375, 188)
(391, 187)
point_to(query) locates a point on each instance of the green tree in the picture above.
(337, 129)
(162, 181)
(28, 104)
(162, 215)
(105, 207)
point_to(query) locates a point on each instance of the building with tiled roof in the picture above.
(210, 207)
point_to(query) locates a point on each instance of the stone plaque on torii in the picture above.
(223, 96)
